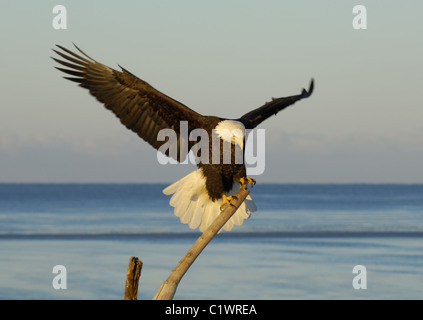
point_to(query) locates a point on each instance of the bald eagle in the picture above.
(198, 197)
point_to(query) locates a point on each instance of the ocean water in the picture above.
(302, 243)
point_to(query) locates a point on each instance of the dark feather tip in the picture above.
(311, 87)
(308, 93)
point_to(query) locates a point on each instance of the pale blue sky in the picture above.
(364, 122)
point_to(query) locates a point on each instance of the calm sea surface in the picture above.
(302, 243)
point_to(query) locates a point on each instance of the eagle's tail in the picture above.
(194, 207)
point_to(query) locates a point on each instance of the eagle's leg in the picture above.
(249, 180)
(227, 201)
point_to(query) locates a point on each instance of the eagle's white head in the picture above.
(231, 131)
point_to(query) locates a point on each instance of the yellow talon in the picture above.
(227, 201)
(249, 180)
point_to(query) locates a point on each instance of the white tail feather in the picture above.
(194, 207)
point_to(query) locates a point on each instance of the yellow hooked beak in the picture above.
(238, 141)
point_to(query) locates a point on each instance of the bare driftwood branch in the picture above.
(168, 288)
(132, 278)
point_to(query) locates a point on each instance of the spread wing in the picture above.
(139, 106)
(253, 118)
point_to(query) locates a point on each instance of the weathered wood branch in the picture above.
(132, 279)
(168, 288)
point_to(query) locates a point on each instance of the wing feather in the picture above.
(139, 106)
(253, 118)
